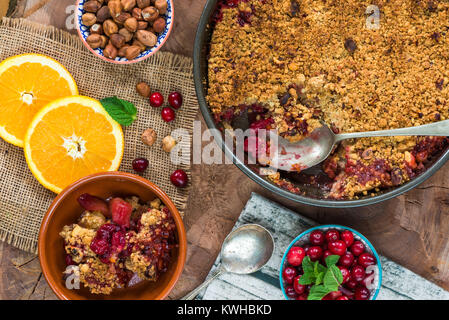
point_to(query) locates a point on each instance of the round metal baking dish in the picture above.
(200, 76)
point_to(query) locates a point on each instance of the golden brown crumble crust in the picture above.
(321, 62)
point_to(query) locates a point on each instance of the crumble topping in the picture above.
(307, 61)
(107, 255)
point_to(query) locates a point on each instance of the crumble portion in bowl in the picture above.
(133, 246)
(295, 64)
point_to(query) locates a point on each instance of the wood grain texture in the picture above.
(412, 229)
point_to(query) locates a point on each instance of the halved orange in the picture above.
(28, 82)
(71, 138)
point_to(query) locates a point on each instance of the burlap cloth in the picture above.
(23, 201)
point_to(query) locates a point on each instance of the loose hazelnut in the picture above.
(122, 50)
(142, 25)
(96, 29)
(137, 13)
(143, 3)
(128, 35)
(103, 14)
(168, 143)
(131, 24)
(159, 25)
(94, 41)
(161, 5)
(115, 8)
(143, 89)
(110, 27)
(150, 14)
(139, 44)
(132, 52)
(128, 5)
(110, 51)
(88, 19)
(104, 41)
(149, 137)
(147, 38)
(117, 40)
(92, 6)
(122, 17)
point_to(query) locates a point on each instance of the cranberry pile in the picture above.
(174, 99)
(353, 263)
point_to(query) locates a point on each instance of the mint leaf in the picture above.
(319, 278)
(332, 260)
(122, 111)
(307, 278)
(307, 265)
(333, 278)
(317, 292)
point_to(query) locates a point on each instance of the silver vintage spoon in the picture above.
(319, 145)
(245, 250)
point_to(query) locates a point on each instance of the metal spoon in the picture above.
(319, 145)
(245, 250)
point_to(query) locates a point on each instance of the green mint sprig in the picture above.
(122, 111)
(323, 279)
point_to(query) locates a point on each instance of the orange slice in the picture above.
(71, 138)
(27, 83)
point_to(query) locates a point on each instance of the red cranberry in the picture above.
(156, 99)
(326, 254)
(118, 241)
(345, 273)
(347, 237)
(337, 247)
(168, 115)
(295, 256)
(106, 231)
(315, 253)
(351, 284)
(362, 293)
(316, 238)
(358, 273)
(366, 259)
(179, 178)
(342, 298)
(140, 164)
(289, 274)
(92, 203)
(332, 295)
(299, 288)
(357, 248)
(346, 260)
(68, 260)
(332, 235)
(99, 246)
(290, 292)
(175, 100)
(302, 297)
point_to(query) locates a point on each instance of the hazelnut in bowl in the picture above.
(124, 31)
(112, 235)
(330, 262)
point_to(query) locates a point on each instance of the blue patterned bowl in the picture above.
(303, 239)
(83, 32)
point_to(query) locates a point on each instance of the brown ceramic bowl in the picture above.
(66, 210)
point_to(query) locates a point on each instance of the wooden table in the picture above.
(412, 229)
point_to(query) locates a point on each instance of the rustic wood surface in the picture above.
(412, 229)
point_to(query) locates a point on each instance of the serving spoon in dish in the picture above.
(319, 145)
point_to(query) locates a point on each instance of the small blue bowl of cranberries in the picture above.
(330, 262)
